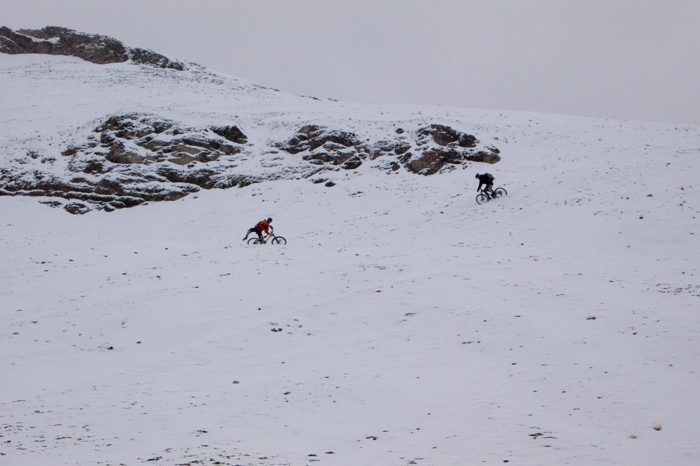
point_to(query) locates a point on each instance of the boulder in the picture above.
(446, 136)
(232, 133)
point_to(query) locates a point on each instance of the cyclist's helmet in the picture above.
(269, 219)
(477, 176)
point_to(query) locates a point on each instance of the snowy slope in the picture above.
(401, 324)
(144, 134)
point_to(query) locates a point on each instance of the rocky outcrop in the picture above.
(94, 48)
(441, 146)
(320, 146)
(160, 150)
(134, 158)
(445, 136)
(163, 140)
(428, 151)
(131, 159)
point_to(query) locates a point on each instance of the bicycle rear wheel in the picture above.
(279, 240)
(255, 241)
(499, 192)
(481, 198)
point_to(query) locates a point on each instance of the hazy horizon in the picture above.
(633, 60)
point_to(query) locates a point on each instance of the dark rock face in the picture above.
(131, 159)
(322, 146)
(94, 48)
(446, 136)
(134, 158)
(163, 150)
(232, 133)
(148, 57)
(163, 140)
(449, 148)
(61, 41)
(435, 148)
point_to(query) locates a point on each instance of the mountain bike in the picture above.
(275, 239)
(482, 197)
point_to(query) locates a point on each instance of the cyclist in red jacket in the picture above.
(263, 225)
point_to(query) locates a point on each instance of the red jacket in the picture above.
(263, 226)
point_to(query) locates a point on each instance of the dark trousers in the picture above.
(255, 230)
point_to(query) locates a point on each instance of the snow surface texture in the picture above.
(402, 323)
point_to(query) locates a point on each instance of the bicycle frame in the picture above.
(268, 237)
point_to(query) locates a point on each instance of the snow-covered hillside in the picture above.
(401, 324)
(141, 134)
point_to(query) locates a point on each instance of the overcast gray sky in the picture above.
(628, 59)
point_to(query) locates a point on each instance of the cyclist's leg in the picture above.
(252, 230)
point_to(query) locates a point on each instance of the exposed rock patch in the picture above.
(94, 48)
(319, 145)
(432, 149)
(445, 136)
(441, 146)
(131, 159)
(126, 136)
(134, 158)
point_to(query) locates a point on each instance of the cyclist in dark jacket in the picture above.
(263, 225)
(485, 179)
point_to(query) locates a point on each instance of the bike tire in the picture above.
(279, 240)
(499, 192)
(255, 241)
(481, 198)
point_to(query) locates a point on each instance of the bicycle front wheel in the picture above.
(279, 240)
(481, 198)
